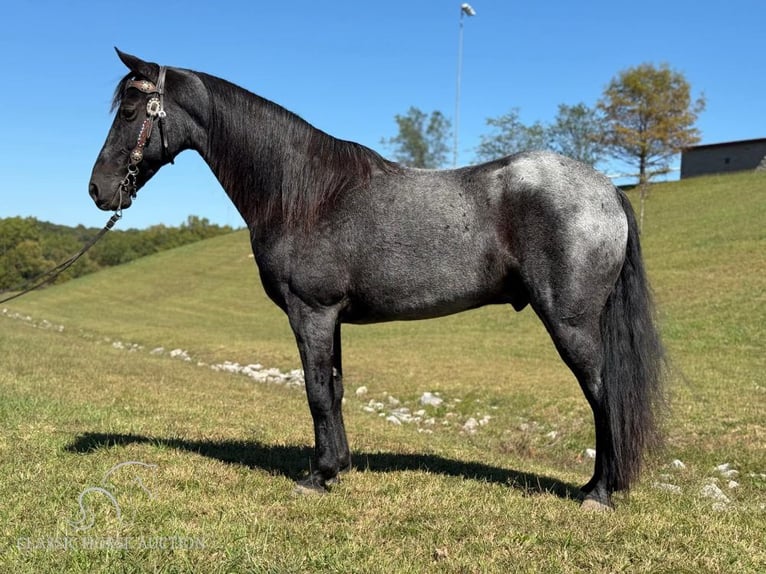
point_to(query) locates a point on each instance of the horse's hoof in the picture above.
(314, 484)
(309, 488)
(593, 505)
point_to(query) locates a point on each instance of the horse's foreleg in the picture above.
(341, 442)
(315, 333)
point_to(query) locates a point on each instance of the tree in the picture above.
(650, 116)
(422, 140)
(510, 136)
(22, 263)
(21, 256)
(577, 133)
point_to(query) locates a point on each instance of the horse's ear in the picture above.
(136, 65)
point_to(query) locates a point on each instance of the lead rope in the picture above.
(51, 274)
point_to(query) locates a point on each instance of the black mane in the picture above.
(274, 164)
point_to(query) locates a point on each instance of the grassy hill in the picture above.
(83, 387)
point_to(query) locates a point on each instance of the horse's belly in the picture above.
(432, 288)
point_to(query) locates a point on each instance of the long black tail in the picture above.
(633, 371)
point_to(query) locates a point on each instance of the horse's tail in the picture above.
(634, 365)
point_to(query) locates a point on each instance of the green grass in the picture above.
(227, 449)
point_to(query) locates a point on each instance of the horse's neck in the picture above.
(246, 147)
(276, 168)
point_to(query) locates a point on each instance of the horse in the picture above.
(341, 235)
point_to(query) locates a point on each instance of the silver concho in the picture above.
(154, 108)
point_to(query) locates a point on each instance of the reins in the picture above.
(155, 112)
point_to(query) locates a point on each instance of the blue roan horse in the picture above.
(341, 235)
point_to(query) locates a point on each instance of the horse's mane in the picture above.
(275, 165)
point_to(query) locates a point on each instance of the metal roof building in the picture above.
(723, 157)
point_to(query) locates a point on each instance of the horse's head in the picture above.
(144, 136)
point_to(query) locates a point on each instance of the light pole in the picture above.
(465, 10)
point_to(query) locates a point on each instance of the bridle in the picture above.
(155, 112)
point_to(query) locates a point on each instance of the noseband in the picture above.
(155, 112)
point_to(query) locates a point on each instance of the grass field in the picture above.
(83, 388)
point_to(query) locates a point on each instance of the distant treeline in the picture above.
(29, 247)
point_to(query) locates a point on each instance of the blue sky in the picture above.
(347, 67)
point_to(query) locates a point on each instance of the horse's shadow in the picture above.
(291, 461)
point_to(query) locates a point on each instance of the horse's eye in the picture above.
(128, 114)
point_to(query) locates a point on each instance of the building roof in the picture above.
(727, 144)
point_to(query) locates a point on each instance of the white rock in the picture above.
(471, 425)
(393, 401)
(733, 484)
(403, 414)
(428, 399)
(726, 471)
(393, 419)
(672, 488)
(677, 464)
(552, 435)
(361, 391)
(712, 492)
(590, 452)
(180, 354)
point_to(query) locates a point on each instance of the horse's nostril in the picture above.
(93, 190)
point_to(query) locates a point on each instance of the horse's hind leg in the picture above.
(578, 341)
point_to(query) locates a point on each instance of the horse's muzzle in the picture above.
(107, 201)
